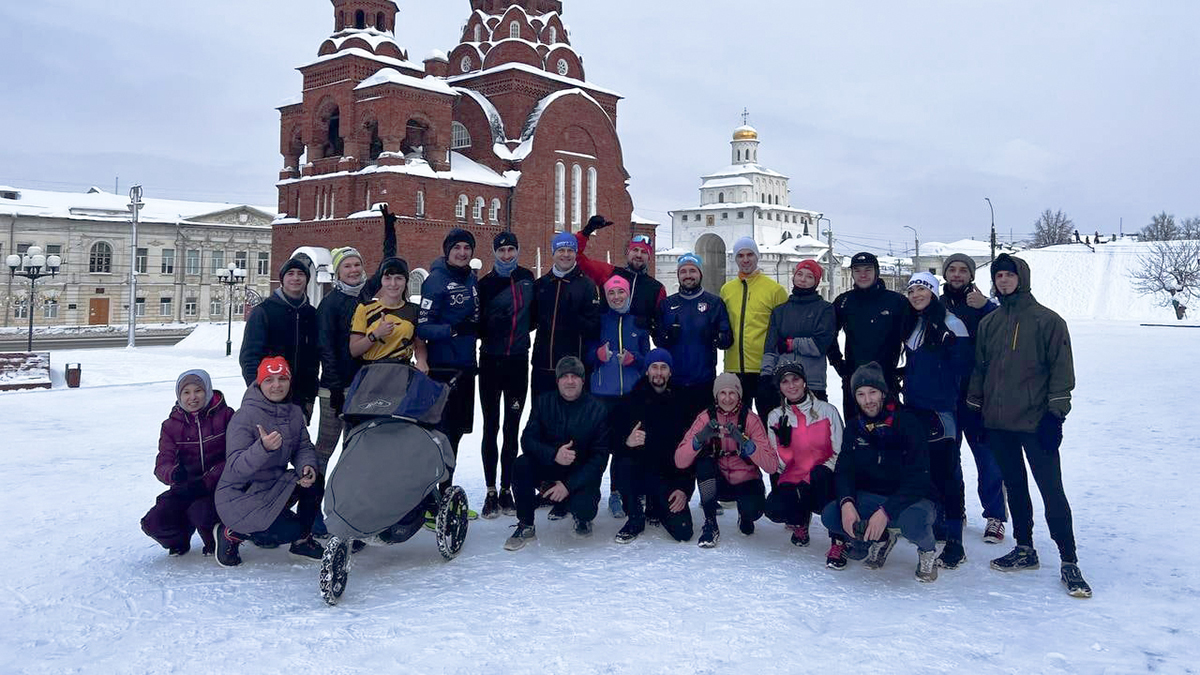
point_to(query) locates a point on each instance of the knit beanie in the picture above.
(393, 265)
(743, 244)
(273, 365)
(643, 242)
(690, 259)
(925, 280)
(505, 239)
(727, 381)
(199, 377)
(870, 375)
(564, 240)
(962, 258)
(455, 237)
(294, 264)
(864, 258)
(659, 355)
(813, 267)
(568, 365)
(616, 281)
(793, 367)
(340, 254)
(1004, 263)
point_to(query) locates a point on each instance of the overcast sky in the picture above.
(884, 114)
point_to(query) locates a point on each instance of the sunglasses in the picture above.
(641, 239)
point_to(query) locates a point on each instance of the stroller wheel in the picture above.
(335, 568)
(451, 529)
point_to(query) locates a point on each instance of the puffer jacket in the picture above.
(449, 299)
(553, 421)
(937, 357)
(800, 331)
(733, 468)
(197, 441)
(887, 456)
(506, 306)
(873, 319)
(256, 483)
(620, 332)
(750, 302)
(1024, 366)
(804, 435)
(278, 328)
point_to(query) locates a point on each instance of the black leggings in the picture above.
(507, 380)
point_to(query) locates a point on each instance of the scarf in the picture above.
(505, 269)
(294, 303)
(560, 275)
(346, 288)
(693, 295)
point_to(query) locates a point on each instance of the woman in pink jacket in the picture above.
(728, 445)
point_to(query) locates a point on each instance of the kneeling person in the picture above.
(564, 452)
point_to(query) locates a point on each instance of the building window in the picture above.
(421, 203)
(741, 215)
(560, 194)
(164, 307)
(100, 258)
(380, 22)
(21, 309)
(139, 260)
(189, 307)
(193, 261)
(167, 265)
(139, 307)
(478, 33)
(241, 259)
(460, 210)
(576, 196)
(264, 264)
(415, 279)
(514, 30)
(50, 308)
(360, 19)
(591, 191)
(215, 307)
(495, 215)
(218, 261)
(683, 218)
(553, 35)
(724, 215)
(477, 213)
(459, 136)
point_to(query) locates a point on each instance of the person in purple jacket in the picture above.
(270, 464)
(191, 456)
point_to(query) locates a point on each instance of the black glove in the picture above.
(783, 432)
(935, 335)
(179, 474)
(464, 327)
(705, 436)
(595, 223)
(337, 400)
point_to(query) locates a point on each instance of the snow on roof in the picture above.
(743, 169)
(971, 247)
(535, 116)
(362, 53)
(727, 182)
(371, 36)
(643, 221)
(462, 168)
(393, 76)
(96, 204)
(731, 206)
(494, 119)
(800, 244)
(536, 71)
(437, 55)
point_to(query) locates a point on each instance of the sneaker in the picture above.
(994, 532)
(491, 505)
(720, 509)
(176, 551)
(307, 548)
(927, 564)
(1020, 558)
(471, 515)
(508, 506)
(558, 511)
(615, 507)
(710, 535)
(357, 546)
(836, 558)
(878, 553)
(430, 521)
(583, 528)
(628, 532)
(952, 555)
(1072, 578)
(800, 535)
(521, 536)
(227, 546)
(857, 549)
(746, 526)
(210, 544)
(653, 522)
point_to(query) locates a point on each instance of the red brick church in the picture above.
(505, 133)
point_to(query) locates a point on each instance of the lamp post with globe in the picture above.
(33, 266)
(230, 276)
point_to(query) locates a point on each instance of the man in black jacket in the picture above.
(566, 449)
(506, 301)
(566, 313)
(285, 324)
(873, 318)
(650, 422)
(882, 480)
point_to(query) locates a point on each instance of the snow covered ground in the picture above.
(86, 592)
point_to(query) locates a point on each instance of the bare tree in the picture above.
(1170, 271)
(1162, 227)
(1052, 228)
(1189, 228)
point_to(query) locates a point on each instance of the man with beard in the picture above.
(646, 292)
(566, 313)
(692, 325)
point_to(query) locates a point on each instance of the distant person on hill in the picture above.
(191, 456)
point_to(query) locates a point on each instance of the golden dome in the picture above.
(745, 133)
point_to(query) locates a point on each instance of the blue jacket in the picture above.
(938, 357)
(449, 317)
(692, 330)
(620, 332)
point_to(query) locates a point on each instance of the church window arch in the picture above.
(380, 21)
(333, 145)
(100, 258)
(460, 209)
(360, 19)
(477, 213)
(460, 137)
(514, 30)
(720, 197)
(591, 191)
(375, 143)
(576, 196)
(560, 194)
(495, 214)
(553, 34)
(478, 33)
(420, 202)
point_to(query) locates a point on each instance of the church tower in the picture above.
(745, 145)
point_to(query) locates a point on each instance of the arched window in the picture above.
(576, 196)
(460, 210)
(478, 33)
(720, 197)
(560, 194)
(360, 19)
(591, 191)
(478, 212)
(380, 21)
(375, 149)
(553, 34)
(333, 146)
(495, 215)
(459, 136)
(514, 30)
(739, 155)
(100, 259)
(420, 202)
(415, 279)
(341, 22)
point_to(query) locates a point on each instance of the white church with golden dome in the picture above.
(744, 199)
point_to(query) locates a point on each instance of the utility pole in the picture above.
(993, 212)
(916, 249)
(135, 205)
(829, 290)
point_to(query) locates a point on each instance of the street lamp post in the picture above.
(32, 266)
(916, 248)
(993, 212)
(829, 262)
(230, 276)
(135, 206)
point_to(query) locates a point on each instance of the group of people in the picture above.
(624, 380)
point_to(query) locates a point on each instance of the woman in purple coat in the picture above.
(191, 456)
(270, 465)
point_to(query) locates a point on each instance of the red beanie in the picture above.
(273, 365)
(811, 266)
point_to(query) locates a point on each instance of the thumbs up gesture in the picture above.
(637, 437)
(272, 441)
(566, 454)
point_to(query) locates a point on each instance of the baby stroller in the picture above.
(388, 472)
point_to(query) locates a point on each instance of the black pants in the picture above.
(179, 512)
(541, 381)
(291, 526)
(616, 439)
(500, 379)
(751, 496)
(794, 504)
(759, 390)
(1041, 449)
(641, 480)
(529, 474)
(695, 398)
(458, 417)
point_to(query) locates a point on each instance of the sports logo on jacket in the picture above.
(426, 303)
(703, 307)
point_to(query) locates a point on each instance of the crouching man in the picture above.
(565, 451)
(882, 480)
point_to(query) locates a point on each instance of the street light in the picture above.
(30, 266)
(230, 276)
(993, 211)
(828, 263)
(917, 248)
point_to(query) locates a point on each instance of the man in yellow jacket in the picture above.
(749, 300)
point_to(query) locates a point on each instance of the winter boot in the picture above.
(1072, 578)
(927, 564)
(629, 532)
(836, 558)
(1020, 558)
(508, 506)
(227, 546)
(558, 511)
(994, 532)
(307, 548)
(521, 536)
(745, 525)
(952, 555)
(210, 544)
(800, 535)
(583, 528)
(710, 535)
(615, 507)
(491, 505)
(357, 545)
(176, 551)
(878, 553)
